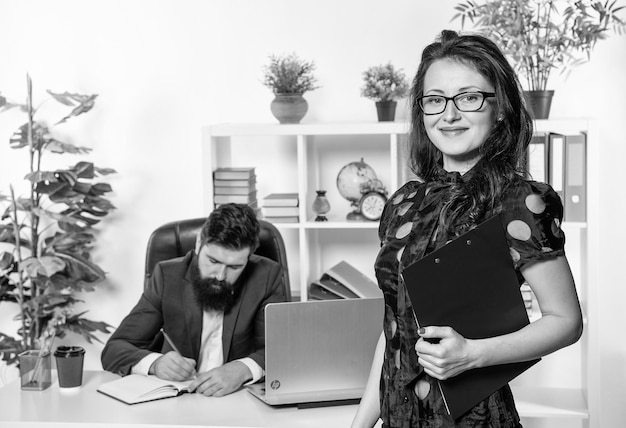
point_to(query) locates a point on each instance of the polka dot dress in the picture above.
(531, 213)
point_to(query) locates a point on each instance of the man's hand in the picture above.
(222, 380)
(173, 366)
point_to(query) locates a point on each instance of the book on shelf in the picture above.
(250, 183)
(476, 269)
(281, 200)
(285, 219)
(135, 388)
(280, 211)
(233, 190)
(241, 173)
(238, 199)
(251, 204)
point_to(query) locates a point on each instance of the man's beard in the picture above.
(211, 293)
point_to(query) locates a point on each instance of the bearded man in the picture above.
(210, 304)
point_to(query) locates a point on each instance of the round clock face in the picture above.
(372, 205)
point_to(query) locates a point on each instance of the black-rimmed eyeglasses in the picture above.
(465, 101)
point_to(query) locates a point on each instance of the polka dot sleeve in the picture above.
(532, 217)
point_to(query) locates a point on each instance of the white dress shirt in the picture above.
(211, 351)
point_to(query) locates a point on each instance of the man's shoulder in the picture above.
(178, 264)
(261, 269)
(261, 262)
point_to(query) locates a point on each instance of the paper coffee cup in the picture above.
(69, 361)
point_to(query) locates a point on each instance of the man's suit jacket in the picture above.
(169, 302)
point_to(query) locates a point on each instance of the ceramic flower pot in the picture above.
(539, 102)
(386, 110)
(289, 108)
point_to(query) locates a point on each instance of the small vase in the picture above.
(386, 110)
(289, 108)
(321, 205)
(539, 103)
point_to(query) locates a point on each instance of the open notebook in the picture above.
(135, 388)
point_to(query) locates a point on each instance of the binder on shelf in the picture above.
(557, 162)
(575, 182)
(344, 281)
(281, 200)
(538, 157)
(476, 270)
(317, 292)
(329, 288)
(241, 173)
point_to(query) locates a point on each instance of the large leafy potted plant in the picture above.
(289, 77)
(542, 36)
(384, 84)
(47, 235)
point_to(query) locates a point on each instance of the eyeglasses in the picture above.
(465, 101)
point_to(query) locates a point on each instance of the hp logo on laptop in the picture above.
(275, 384)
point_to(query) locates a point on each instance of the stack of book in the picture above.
(234, 185)
(281, 208)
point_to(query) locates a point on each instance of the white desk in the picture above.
(54, 408)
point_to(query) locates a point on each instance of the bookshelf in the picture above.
(303, 158)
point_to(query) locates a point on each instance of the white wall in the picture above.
(165, 68)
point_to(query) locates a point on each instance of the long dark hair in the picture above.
(502, 155)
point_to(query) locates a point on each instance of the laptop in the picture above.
(319, 352)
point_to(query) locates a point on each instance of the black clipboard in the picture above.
(470, 284)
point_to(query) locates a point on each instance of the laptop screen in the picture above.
(320, 350)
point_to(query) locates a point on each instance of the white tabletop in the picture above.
(55, 407)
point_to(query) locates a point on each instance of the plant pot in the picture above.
(386, 110)
(539, 103)
(289, 108)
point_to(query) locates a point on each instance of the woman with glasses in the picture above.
(470, 132)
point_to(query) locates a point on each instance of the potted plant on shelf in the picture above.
(46, 236)
(289, 77)
(541, 36)
(384, 84)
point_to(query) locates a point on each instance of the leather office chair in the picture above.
(176, 238)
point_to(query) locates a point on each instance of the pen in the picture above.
(169, 341)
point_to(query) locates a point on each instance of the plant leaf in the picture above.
(86, 103)
(60, 147)
(44, 266)
(105, 171)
